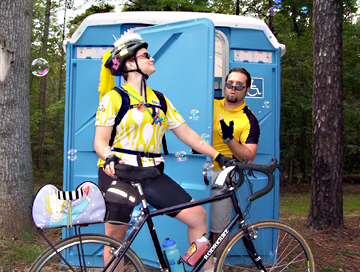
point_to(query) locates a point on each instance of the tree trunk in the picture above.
(326, 196)
(62, 54)
(16, 185)
(57, 151)
(271, 17)
(42, 95)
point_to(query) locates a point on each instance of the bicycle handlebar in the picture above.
(267, 169)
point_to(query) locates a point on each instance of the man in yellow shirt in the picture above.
(235, 134)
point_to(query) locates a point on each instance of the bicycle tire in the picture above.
(280, 246)
(93, 245)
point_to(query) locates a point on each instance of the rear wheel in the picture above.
(281, 248)
(92, 246)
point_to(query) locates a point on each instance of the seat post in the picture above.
(141, 192)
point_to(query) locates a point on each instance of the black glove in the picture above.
(222, 160)
(227, 130)
(109, 159)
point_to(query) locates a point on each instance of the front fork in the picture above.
(249, 235)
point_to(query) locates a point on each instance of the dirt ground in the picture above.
(337, 249)
(334, 250)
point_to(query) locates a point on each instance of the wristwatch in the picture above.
(226, 140)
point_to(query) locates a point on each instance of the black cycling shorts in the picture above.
(160, 192)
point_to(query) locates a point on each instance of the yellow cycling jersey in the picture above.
(246, 127)
(137, 130)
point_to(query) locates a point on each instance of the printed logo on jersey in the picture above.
(101, 107)
(155, 102)
(103, 103)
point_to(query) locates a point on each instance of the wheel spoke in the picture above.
(90, 250)
(280, 247)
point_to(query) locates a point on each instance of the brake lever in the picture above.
(231, 162)
(282, 176)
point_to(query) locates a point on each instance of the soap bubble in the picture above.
(207, 170)
(180, 156)
(277, 4)
(108, 151)
(194, 115)
(304, 10)
(207, 167)
(40, 67)
(272, 11)
(206, 139)
(137, 216)
(72, 154)
(266, 105)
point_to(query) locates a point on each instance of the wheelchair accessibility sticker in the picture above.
(256, 88)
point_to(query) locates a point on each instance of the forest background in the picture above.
(293, 23)
(290, 21)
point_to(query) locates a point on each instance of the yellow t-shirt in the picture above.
(246, 127)
(137, 130)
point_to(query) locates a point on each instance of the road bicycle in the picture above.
(259, 246)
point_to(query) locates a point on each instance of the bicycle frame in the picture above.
(238, 220)
(148, 219)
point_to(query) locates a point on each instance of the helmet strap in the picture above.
(143, 78)
(143, 86)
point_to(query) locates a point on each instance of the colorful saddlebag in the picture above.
(53, 208)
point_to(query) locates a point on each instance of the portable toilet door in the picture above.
(189, 87)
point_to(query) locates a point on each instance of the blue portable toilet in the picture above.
(193, 53)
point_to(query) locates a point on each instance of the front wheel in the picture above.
(85, 253)
(281, 248)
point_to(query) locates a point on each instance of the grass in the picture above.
(296, 205)
(329, 269)
(21, 252)
(351, 203)
(12, 251)
(347, 252)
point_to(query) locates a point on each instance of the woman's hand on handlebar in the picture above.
(222, 160)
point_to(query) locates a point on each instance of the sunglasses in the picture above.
(144, 55)
(236, 88)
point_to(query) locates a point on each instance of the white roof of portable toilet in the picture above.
(163, 17)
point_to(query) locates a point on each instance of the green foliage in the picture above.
(293, 18)
(168, 5)
(54, 116)
(351, 92)
(294, 29)
(223, 6)
(74, 23)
